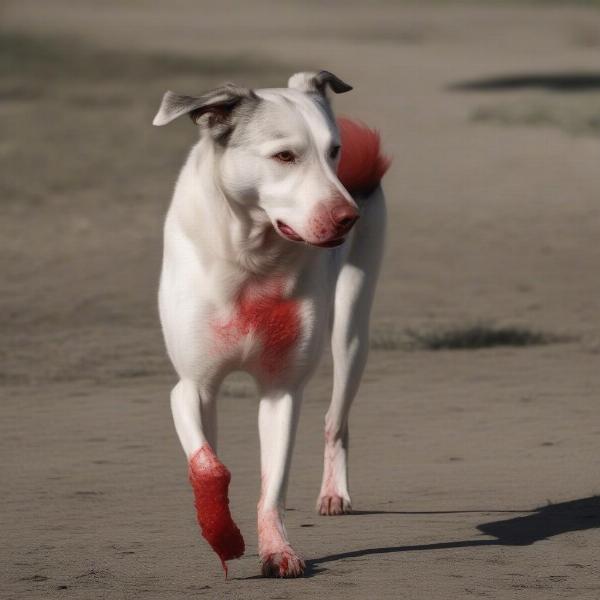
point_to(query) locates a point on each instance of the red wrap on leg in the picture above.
(210, 480)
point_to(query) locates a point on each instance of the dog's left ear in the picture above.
(211, 109)
(318, 83)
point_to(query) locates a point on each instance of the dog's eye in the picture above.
(286, 156)
(333, 152)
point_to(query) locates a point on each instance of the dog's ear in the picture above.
(213, 109)
(318, 83)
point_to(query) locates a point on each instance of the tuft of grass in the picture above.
(573, 118)
(59, 58)
(503, 115)
(474, 337)
(389, 339)
(466, 337)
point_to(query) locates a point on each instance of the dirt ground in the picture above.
(473, 472)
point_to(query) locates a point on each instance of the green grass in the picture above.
(463, 337)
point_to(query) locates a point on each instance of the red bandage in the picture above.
(210, 480)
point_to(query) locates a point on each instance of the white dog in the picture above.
(262, 258)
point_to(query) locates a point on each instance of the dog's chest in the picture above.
(263, 326)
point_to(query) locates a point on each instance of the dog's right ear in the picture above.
(318, 83)
(213, 108)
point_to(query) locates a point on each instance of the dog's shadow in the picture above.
(540, 524)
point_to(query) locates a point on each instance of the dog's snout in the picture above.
(344, 216)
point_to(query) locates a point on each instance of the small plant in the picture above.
(577, 117)
(465, 337)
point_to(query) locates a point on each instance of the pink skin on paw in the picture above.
(331, 502)
(277, 557)
(333, 505)
(210, 481)
(285, 563)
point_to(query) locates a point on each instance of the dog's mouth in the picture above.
(289, 234)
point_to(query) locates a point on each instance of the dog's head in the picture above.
(277, 150)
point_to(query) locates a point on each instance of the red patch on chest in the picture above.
(266, 313)
(210, 481)
(362, 165)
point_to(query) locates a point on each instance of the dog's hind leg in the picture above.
(195, 422)
(277, 421)
(350, 345)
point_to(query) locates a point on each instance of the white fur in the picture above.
(219, 235)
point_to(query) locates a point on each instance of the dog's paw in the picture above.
(333, 505)
(284, 563)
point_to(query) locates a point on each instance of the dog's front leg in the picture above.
(195, 422)
(277, 422)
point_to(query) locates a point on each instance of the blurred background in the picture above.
(481, 392)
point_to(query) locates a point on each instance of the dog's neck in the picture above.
(226, 232)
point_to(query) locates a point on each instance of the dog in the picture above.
(273, 239)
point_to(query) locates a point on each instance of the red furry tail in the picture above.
(362, 165)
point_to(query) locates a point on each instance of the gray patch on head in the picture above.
(255, 122)
(241, 117)
(315, 85)
(324, 105)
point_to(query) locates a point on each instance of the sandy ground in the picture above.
(474, 473)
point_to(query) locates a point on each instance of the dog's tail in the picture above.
(362, 164)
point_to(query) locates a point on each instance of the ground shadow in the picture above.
(546, 522)
(433, 512)
(540, 524)
(581, 81)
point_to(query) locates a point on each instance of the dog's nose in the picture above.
(344, 216)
